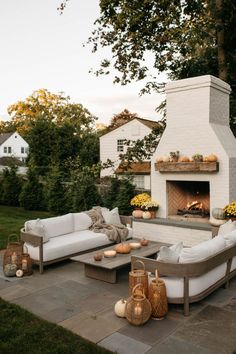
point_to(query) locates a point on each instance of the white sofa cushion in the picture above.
(65, 245)
(170, 254)
(175, 286)
(111, 216)
(233, 265)
(81, 221)
(202, 251)
(36, 227)
(230, 238)
(226, 228)
(58, 225)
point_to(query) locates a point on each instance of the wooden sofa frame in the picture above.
(191, 270)
(37, 241)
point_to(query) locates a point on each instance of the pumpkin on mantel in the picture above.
(123, 248)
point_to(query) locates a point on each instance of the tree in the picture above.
(32, 196)
(11, 187)
(56, 191)
(119, 119)
(186, 38)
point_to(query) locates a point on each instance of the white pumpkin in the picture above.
(120, 308)
(19, 273)
(166, 158)
(147, 215)
(218, 213)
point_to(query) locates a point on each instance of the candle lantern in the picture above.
(26, 262)
(137, 276)
(138, 308)
(157, 297)
(13, 253)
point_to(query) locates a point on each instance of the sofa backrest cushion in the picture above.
(226, 228)
(170, 254)
(81, 221)
(111, 216)
(203, 250)
(58, 225)
(230, 238)
(36, 227)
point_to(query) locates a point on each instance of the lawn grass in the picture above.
(22, 332)
(12, 220)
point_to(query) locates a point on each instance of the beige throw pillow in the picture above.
(36, 227)
(111, 216)
(170, 254)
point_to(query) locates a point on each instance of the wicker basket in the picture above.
(13, 252)
(138, 276)
(157, 297)
(138, 309)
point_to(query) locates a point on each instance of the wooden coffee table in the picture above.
(106, 269)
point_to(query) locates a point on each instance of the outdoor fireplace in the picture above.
(197, 123)
(188, 198)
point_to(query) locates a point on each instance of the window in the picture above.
(139, 181)
(120, 145)
(5, 149)
(9, 149)
(22, 150)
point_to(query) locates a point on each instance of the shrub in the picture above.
(32, 196)
(11, 187)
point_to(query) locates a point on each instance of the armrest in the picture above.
(125, 219)
(34, 240)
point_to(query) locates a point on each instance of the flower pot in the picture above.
(153, 213)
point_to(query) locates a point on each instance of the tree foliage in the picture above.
(11, 186)
(32, 194)
(185, 38)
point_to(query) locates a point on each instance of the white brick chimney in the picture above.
(198, 122)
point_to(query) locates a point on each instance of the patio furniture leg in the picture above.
(186, 296)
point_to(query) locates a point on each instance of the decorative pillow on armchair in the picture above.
(226, 228)
(170, 254)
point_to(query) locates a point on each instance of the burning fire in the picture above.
(194, 205)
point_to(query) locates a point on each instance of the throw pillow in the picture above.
(227, 227)
(170, 254)
(36, 227)
(230, 238)
(111, 216)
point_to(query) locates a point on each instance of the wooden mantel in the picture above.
(194, 167)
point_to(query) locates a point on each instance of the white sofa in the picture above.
(54, 239)
(197, 271)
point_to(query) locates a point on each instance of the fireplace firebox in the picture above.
(188, 198)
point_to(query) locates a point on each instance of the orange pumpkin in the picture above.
(123, 248)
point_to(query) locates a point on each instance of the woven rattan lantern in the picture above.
(157, 297)
(13, 254)
(138, 276)
(26, 262)
(138, 309)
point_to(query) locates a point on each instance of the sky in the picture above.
(42, 49)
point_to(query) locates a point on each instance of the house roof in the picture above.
(137, 168)
(149, 123)
(4, 137)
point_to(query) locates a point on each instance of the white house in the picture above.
(112, 145)
(13, 145)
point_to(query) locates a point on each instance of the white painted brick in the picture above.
(198, 122)
(170, 234)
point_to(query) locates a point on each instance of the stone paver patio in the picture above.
(63, 295)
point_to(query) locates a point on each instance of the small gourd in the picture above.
(120, 308)
(218, 213)
(123, 248)
(147, 215)
(184, 159)
(19, 273)
(212, 158)
(137, 214)
(166, 158)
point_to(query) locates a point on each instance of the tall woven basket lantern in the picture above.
(13, 251)
(157, 297)
(138, 309)
(138, 276)
(26, 262)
